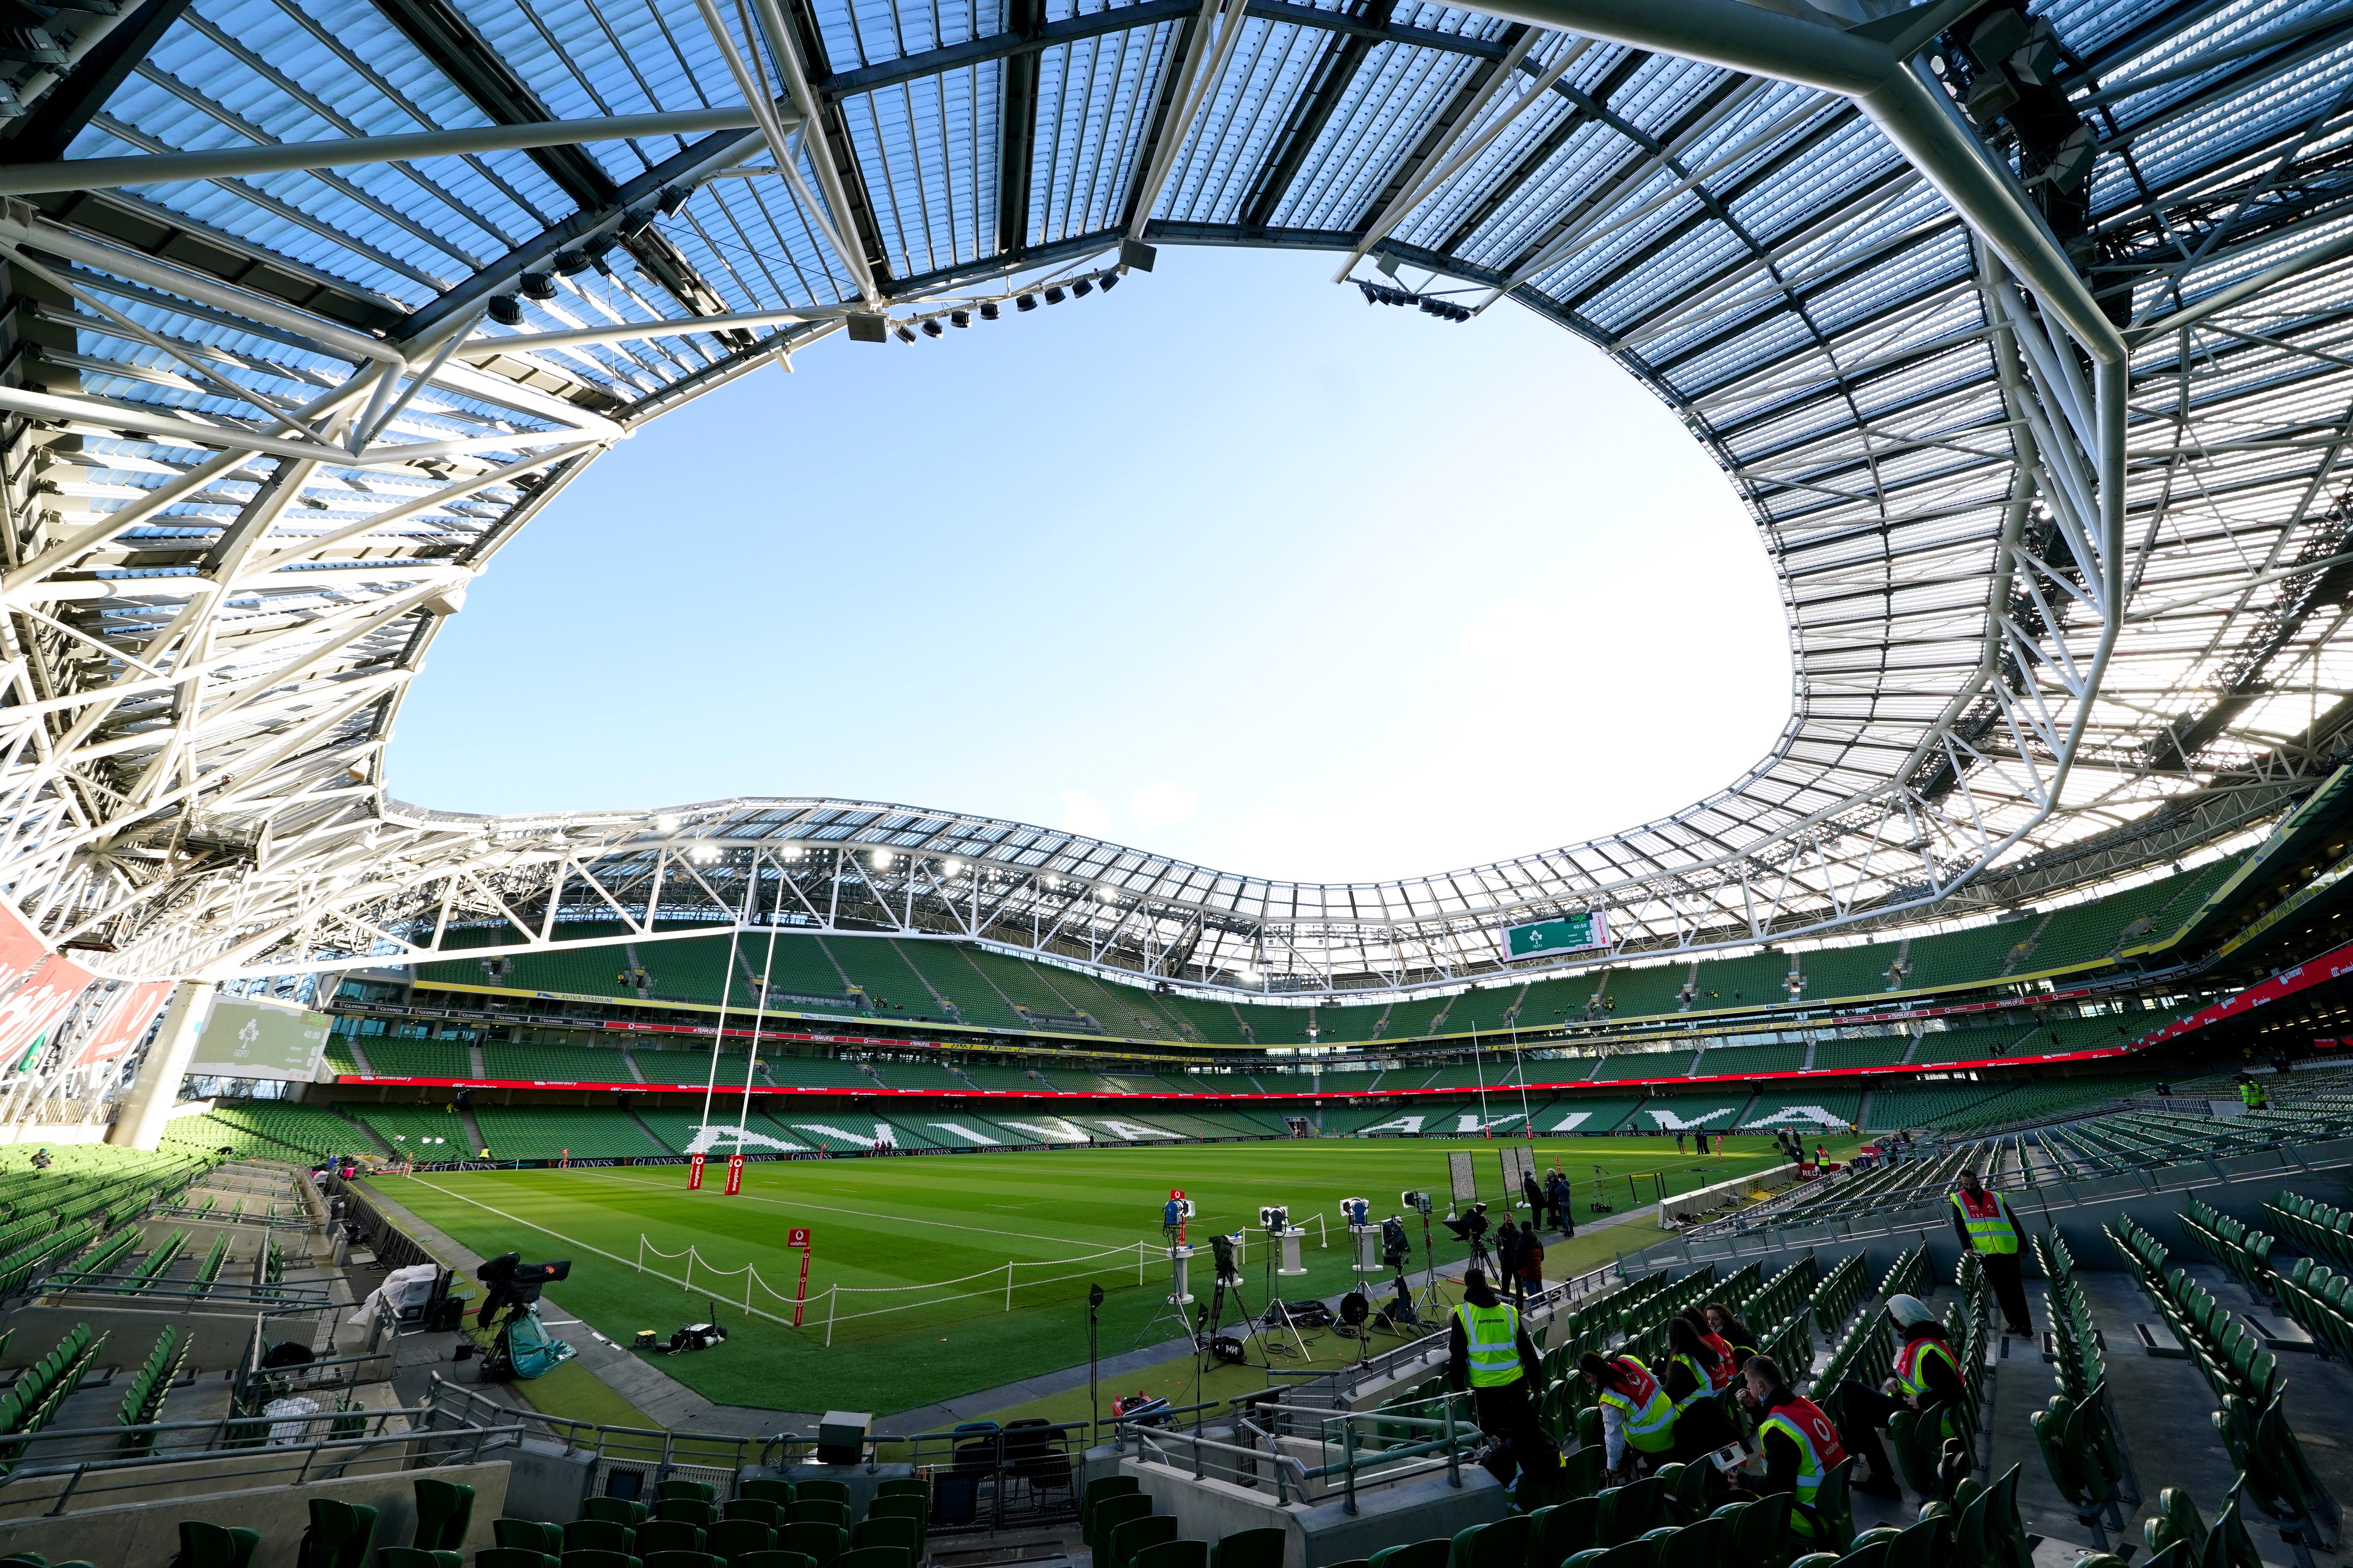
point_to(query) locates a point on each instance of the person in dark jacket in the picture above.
(1536, 1199)
(1692, 1384)
(1507, 1259)
(1738, 1335)
(1564, 1207)
(1927, 1378)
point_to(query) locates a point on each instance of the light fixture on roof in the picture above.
(989, 311)
(904, 332)
(1082, 288)
(932, 328)
(953, 869)
(539, 286)
(1110, 281)
(1024, 302)
(666, 823)
(506, 310)
(1107, 895)
(882, 859)
(1055, 296)
(960, 318)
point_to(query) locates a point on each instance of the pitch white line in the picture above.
(567, 1240)
(862, 1214)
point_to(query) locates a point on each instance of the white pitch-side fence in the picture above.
(801, 1312)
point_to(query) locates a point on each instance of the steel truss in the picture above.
(2043, 439)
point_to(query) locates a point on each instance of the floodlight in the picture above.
(1418, 1202)
(953, 869)
(1054, 296)
(1024, 302)
(666, 823)
(505, 310)
(932, 328)
(538, 286)
(960, 318)
(569, 262)
(1109, 280)
(1082, 288)
(1355, 1211)
(989, 311)
(672, 197)
(1274, 1216)
(882, 859)
(904, 332)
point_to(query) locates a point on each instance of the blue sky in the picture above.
(1226, 565)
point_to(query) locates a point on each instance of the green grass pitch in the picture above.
(896, 1223)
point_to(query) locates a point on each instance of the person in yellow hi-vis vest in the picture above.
(1988, 1227)
(1490, 1354)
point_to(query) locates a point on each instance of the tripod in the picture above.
(1213, 1316)
(1172, 1306)
(1277, 1311)
(1427, 1299)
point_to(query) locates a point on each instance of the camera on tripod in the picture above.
(1221, 1250)
(514, 1286)
(1395, 1246)
(1418, 1202)
(1470, 1224)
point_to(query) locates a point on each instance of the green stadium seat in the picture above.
(1109, 1513)
(876, 1557)
(599, 1535)
(683, 1560)
(904, 1533)
(339, 1535)
(917, 1487)
(515, 1557)
(1416, 1554)
(627, 1512)
(528, 1535)
(775, 1559)
(816, 1539)
(1503, 1544)
(207, 1545)
(444, 1511)
(759, 1510)
(1134, 1535)
(766, 1488)
(826, 1489)
(1179, 1554)
(597, 1559)
(1250, 1549)
(691, 1491)
(731, 1538)
(820, 1510)
(416, 1557)
(668, 1535)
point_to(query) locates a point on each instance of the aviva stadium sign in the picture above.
(1562, 933)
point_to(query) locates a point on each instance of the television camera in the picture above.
(1275, 1218)
(511, 1285)
(1471, 1226)
(1417, 1202)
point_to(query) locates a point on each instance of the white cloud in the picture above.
(1158, 805)
(1081, 813)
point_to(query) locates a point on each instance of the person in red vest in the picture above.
(1927, 1378)
(1801, 1444)
(1988, 1227)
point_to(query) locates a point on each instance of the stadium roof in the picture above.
(2022, 336)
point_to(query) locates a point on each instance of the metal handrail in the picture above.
(251, 1439)
(274, 1299)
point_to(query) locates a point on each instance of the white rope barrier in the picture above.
(1142, 1251)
